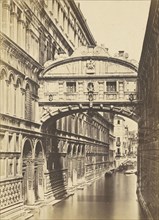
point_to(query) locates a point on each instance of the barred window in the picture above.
(111, 86)
(71, 87)
(118, 139)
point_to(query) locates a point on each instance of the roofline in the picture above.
(79, 58)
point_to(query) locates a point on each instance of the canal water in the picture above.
(110, 198)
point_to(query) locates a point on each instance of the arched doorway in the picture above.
(38, 172)
(27, 167)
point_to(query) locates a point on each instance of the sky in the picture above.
(117, 24)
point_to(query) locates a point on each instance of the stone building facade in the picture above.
(120, 136)
(42, 165)
(148, 89)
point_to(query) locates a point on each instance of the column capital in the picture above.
(6, 3)
(22, 91)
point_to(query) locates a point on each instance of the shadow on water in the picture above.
(110, 198)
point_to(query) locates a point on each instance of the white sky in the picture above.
(118, 24)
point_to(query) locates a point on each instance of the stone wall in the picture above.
(148, 90)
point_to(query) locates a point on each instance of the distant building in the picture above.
(132, 142)
(126, 141)
(119, 133)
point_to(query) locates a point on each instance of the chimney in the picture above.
(121, 53)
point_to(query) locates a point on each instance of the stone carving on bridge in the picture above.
(91, 51)
(90, 65)
(90, 88)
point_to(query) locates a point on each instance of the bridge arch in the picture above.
(65, 111)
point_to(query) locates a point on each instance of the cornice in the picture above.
(20, 53)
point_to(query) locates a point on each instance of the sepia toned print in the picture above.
(78, 123)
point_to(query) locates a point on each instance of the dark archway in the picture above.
(27, 168)
(38, 172)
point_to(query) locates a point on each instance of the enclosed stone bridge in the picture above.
(89, 80)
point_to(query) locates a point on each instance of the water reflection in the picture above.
(110, 198)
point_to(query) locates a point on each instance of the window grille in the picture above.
(111, 86)
(71, 87)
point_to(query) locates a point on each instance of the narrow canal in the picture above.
(109, 198)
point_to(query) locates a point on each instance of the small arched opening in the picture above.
(27, 168)
(69, 149)
(38, 172)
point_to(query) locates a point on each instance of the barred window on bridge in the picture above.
(71, 86)
(111, 86)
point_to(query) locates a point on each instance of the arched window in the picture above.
(18, 99)
(27, 150)
(74, 150)
(2, 91)
(28, 103)
(83, 149)
(76, 125)
(38, 150)
(69, 149)
(79, 150)
(11, 95)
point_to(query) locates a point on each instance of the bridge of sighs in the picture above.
(90, 79)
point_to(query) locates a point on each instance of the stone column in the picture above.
(121, 90)
(101, 90)
(1, 15)
(74, 171)
(55, 10)
(7, 92)
(22, 114)
(61, 90)
(2, 97)
(80, 90)
(40, 181)
(20, 33)
(70, 176)
(13, 33)
(18, 101)
(24, 35)
(15, 106)
(28, 40)
(30, 182)
(6, 17)
(37, 117)
(12, 98)
(33, 108)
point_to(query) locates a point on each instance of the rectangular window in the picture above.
(118, 139)
(118, 151)
(71, 87)
(118, 143)
(111, 86)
